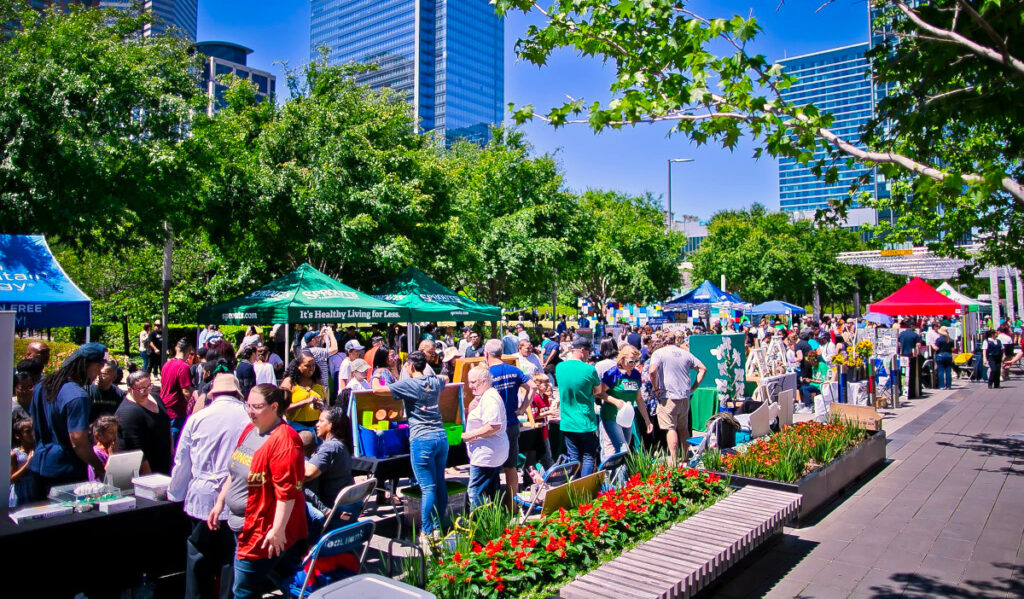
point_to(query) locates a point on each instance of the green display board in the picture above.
(712, 350)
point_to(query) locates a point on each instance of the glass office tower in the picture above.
(446, 57)
(836, 81)
(182, 14)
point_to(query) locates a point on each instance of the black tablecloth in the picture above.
(93, 551)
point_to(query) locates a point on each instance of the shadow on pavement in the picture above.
(923, 585)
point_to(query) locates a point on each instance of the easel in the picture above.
(757, 365)
(775, 354)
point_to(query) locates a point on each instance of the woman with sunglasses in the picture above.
(620, 386)
(145, 425)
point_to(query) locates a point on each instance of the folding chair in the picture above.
(559, 473)
(348, 505)
(338, 554)
(614, 467)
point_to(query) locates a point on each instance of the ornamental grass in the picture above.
(542, 555)
(791, 454)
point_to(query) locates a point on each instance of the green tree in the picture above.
(334, 176)
(629, 255)
(514, 226)
(695, 72)
(91, 120)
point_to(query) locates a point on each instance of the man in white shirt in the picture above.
(200, 468)
(486, 441)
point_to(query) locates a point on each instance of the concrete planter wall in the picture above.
(821, 486)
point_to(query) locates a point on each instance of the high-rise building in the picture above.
(225, 58)
(838, 82)
(183, 15)
(446, 57)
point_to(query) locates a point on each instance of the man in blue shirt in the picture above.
(510, 342)
(506, 380)
(583, 322)
(562, 327)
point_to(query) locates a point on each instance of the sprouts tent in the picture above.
(775, 307)
(916, 298)
(33, 285)
(429, 301)
(303, 295)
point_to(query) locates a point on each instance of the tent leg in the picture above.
(409, 341)
(287, 347)
(88, 332)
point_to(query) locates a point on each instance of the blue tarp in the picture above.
(34, 285)
(775, 307)
(705, 295)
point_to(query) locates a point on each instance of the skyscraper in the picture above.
(182, 14)
(446, 57)
(836, 81)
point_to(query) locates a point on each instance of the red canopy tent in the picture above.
(916, 298)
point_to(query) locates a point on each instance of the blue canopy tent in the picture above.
(36, 288)
(706, 295)
(775, 307)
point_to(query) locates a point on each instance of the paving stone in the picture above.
(954, 548)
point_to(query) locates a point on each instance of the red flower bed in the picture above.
(553, 550)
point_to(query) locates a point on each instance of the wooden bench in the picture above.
(687, 557)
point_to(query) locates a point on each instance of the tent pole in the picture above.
(88, 331)
(287, 347)
(409, 342)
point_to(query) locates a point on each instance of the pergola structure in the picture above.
(922, 262)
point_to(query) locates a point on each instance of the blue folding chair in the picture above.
(559, 473)
(338, 554)
(614, 467)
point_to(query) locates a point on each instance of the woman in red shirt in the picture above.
(272, 540)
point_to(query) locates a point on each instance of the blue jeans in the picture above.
(176, 425)
(616, 435)
(807, 392)
(429, 454)
(255, 577)
(483, 484)
(944, 366)
(582, 448)
(145, 360)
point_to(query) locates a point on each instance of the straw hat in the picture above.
(943, 331)
(450, 353)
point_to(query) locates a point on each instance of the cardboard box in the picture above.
(866, 416)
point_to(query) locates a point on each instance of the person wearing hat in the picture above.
(353, 351)
(200, 468)
(60, 419)
(358, 371)
(943, 347)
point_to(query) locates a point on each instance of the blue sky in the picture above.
(631, 160)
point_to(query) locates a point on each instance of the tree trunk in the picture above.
(124, 331)
(817, 302)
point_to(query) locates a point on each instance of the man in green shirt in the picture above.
(577, 391)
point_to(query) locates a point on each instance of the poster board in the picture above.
(464, 365)
(702, 346)
(885, 342)
(378, 405)
(865, 334)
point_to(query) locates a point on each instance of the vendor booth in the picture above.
(303, 295)
(775, 308)
(703, 299)
(429, 301)
(916, 298)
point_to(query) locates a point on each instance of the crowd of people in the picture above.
(257, 446)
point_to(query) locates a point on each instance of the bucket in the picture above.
(412, 499)
(454, 433)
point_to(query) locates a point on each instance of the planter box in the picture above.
(821, 486)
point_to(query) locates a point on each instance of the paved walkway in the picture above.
(944, 519)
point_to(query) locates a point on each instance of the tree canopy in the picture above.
(91, 121)
(955, 64)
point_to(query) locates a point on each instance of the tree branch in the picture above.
(952, 92)
(985, 52)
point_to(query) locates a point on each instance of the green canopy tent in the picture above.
(303, 295)
(429, 301)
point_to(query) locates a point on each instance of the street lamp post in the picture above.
(670, 161)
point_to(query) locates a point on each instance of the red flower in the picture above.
(500, 587)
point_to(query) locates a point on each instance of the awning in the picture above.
(947, 290)
(429, 301)
(774, 307)
(303, 295)
(34, 285)
(916, 298)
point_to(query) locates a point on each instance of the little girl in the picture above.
(22, 448)
(104, 435)
(542, 407)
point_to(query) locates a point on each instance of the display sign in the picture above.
(885, 342)
(866, 334)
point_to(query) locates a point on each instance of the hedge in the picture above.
(111, 334)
